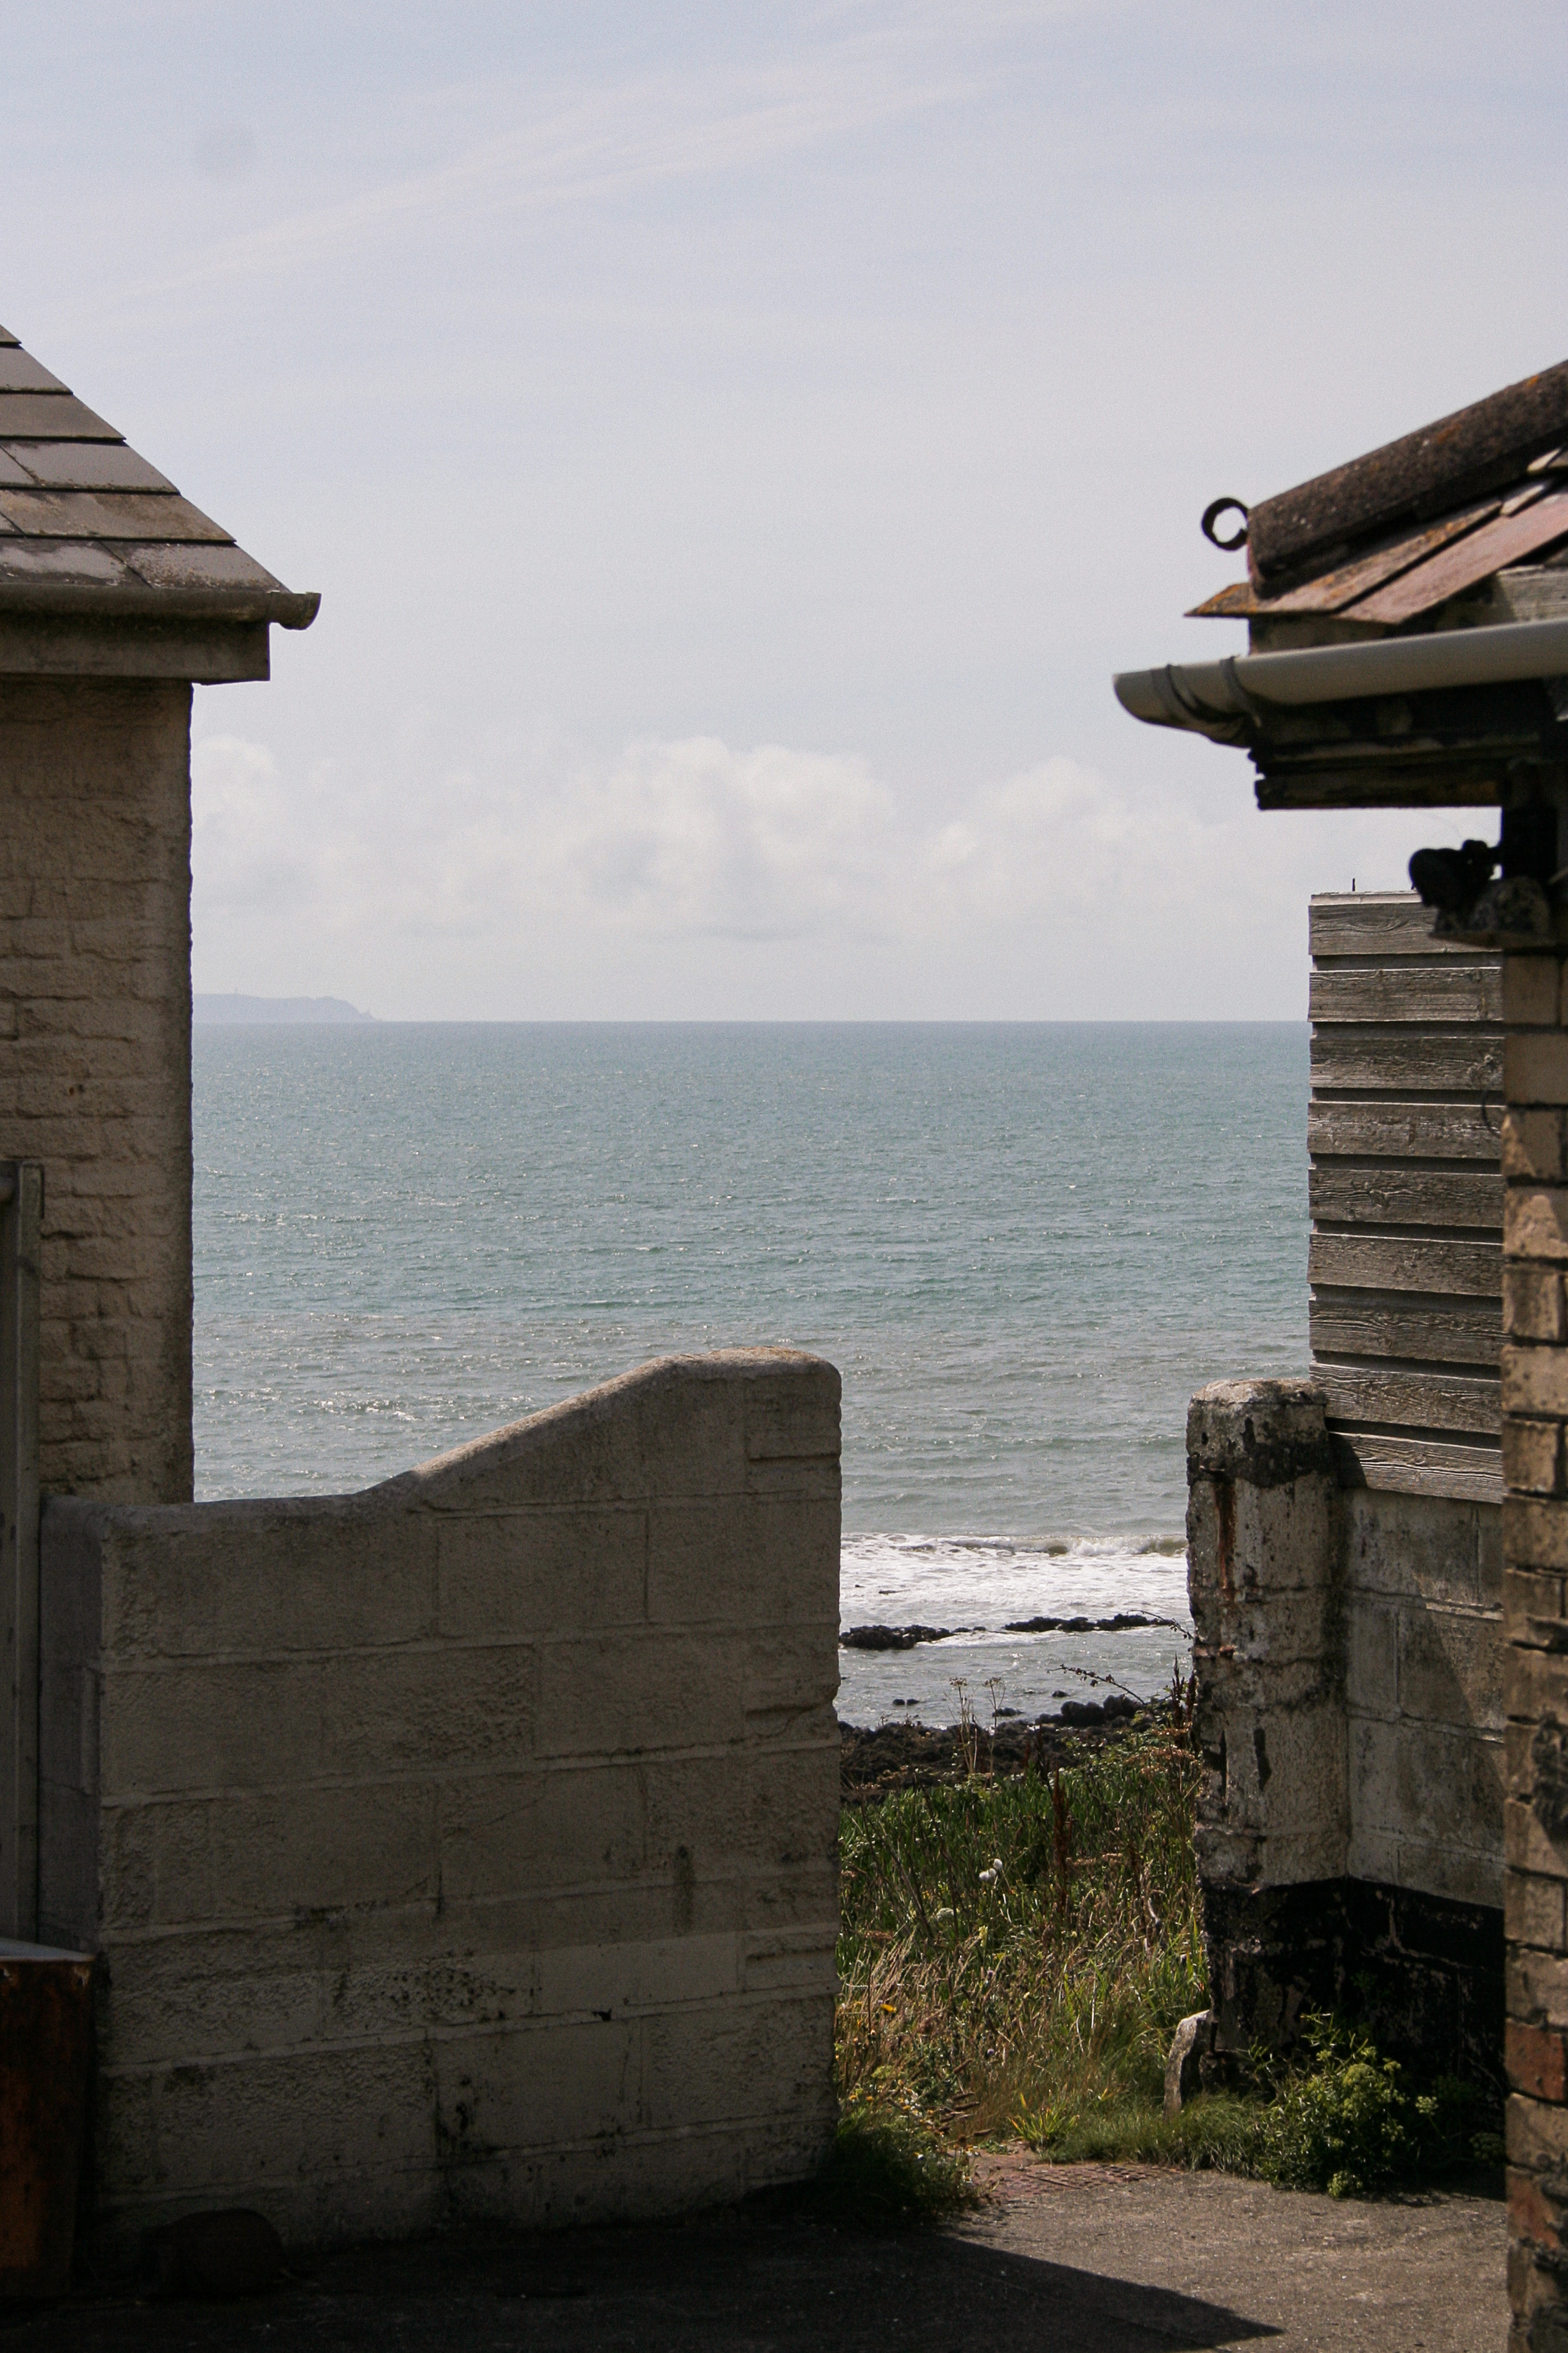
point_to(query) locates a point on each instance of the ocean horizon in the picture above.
(1024, 1245)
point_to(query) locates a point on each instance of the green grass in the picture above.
(1021, 1945)
(1014, 1956)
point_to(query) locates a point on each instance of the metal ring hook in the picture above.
(1212, 512)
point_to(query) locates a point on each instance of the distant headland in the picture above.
(234, 1007)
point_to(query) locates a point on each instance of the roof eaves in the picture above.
(117, 602)
(90, 531)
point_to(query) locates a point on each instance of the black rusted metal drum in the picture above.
(46, 2038)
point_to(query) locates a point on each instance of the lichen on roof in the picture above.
(1384, 542)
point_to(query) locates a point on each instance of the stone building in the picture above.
(1378, 1554)
(463, 1849)
(116, 596)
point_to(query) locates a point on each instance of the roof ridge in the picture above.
(1456, 457)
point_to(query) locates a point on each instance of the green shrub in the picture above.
(1339, 2117)
(1345, 2119)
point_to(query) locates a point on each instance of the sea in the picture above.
(1024, 1245)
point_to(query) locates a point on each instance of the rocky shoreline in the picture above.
(876, 1760)
(904, 1638)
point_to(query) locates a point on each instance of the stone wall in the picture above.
(467, 1846)
(95, 1011)
(1535, 1552)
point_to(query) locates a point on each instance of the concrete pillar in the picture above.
(1265, 1579)
(1536, 1565)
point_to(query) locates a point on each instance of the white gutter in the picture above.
(1212, 696)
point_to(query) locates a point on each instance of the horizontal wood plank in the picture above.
(1331, 591)
(1407, 1062)
(1414, 992)
(107, 514)
(1444, 1331)
(1414, 1466)
(1383, 1262)
(1407, 1075)
(1411, 1401)
(49, 417)
(1458, 779)
(1402, 1129)
(1396, 1196)
(1376, 923)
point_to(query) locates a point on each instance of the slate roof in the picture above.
(1385, 540)
(88, 526)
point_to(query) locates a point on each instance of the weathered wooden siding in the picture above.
(1406, 1198)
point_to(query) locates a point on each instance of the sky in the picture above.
(735, 446)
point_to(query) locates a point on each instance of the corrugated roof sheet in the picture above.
(87, 525)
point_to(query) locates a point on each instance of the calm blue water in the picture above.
(1023, 1245)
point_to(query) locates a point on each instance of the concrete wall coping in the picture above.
(446, 1480)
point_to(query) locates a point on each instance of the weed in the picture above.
(1345, 2119)
(889, 2166)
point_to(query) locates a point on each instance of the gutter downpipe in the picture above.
(1210, 698)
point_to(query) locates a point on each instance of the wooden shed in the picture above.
(1379, 1557)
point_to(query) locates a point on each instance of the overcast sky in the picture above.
(736, 445)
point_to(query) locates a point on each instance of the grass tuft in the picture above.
(888, 2167)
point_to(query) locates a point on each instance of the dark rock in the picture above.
(1517, 908)
(1120, 1624)
(1452, 879)
(1082, 1711)
(891, 1637)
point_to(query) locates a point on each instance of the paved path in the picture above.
(1069, 2259)
(1388, 2276)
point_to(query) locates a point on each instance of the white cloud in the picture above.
(686, 875)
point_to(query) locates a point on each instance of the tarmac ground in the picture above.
(1059, 2259)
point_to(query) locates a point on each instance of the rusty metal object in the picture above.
(46, 2037)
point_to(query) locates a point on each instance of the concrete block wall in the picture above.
(1349, 1658)
(467, 1847)
(1265, 1582)
(95, 1015)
